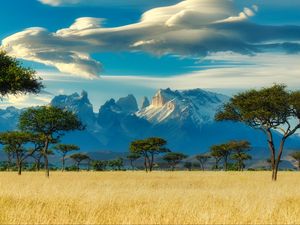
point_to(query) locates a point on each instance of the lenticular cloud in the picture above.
(189, 28)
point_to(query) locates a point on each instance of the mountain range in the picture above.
(184, 118)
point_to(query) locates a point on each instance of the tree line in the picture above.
(270, 110)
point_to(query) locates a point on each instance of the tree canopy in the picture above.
(16, 79)
(49, 122)
(267, 109)
(173, 158)
(14, 142)
(148, 148)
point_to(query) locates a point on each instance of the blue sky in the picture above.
(113, 48)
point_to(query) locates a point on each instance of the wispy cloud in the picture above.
(189, 28)
(131, 3)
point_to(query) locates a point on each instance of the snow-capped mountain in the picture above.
(184, 118)
(79, 104)
(196, 106)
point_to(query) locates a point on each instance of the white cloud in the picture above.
(23, 101)
(251, 72)
(137, 3)
(189, 28)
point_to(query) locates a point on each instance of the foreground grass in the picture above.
(156, 198)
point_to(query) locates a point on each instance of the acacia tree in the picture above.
(222, 151)
(268, 109)
(99, 165)
(217, 154)
(16, 79)
(155, 146)
(78, 158)
(14, 142)
(239, 149)
(64, 149)
(148, 148)
(203, 158)
(133, 157)
(50, 123)
(296, 156)
(173, 158)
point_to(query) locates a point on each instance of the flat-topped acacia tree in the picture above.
(64, 149)
(16, 79)
(14, 142)
(49, 122)
(148, 148)
(270, 110)
(173, 158)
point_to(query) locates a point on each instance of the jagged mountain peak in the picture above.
(77, 103)
(128, 104)
(163, 96)
(145, 103)
(195, 107)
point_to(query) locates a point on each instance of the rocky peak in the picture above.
(79, 104)
(128, 104)
(110, 106)
(145, 103)
(162, 97)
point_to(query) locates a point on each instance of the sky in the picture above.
(112, 48)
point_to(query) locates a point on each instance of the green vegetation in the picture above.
(50, 123)
(64, 149)
(148, 148)
(267, 109)
(15, 79)
(173, 158)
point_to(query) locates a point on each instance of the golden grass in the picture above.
(156, 198)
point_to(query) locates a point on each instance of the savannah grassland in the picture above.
(153, 198)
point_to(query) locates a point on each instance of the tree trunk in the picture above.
(19, 168)
(78, 166)
(225, 163)
(131, 164)
(145, 164)
(172, 167)
(47, 173)
(151, 163)
(216, 165)
(278, 158)
(63, 164)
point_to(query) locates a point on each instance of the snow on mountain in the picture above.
(9, 118)
(197, 106)
(79, 104)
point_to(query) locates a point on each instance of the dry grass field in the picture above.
(156, 198)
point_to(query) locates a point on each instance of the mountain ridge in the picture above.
(184, 118)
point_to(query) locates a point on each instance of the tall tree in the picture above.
(78, 158)
(116, 164)
(203, 158)
(16, 79)
(239, 149)
(140, 147)
(133, 157)
(216, 153)
(296, 156)
(14, 142)
(173, 158)
(64, 149)
(51, 123)
(148, 148)
(99, 165)
(268, 109)
(155, 146)
(223, 151)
